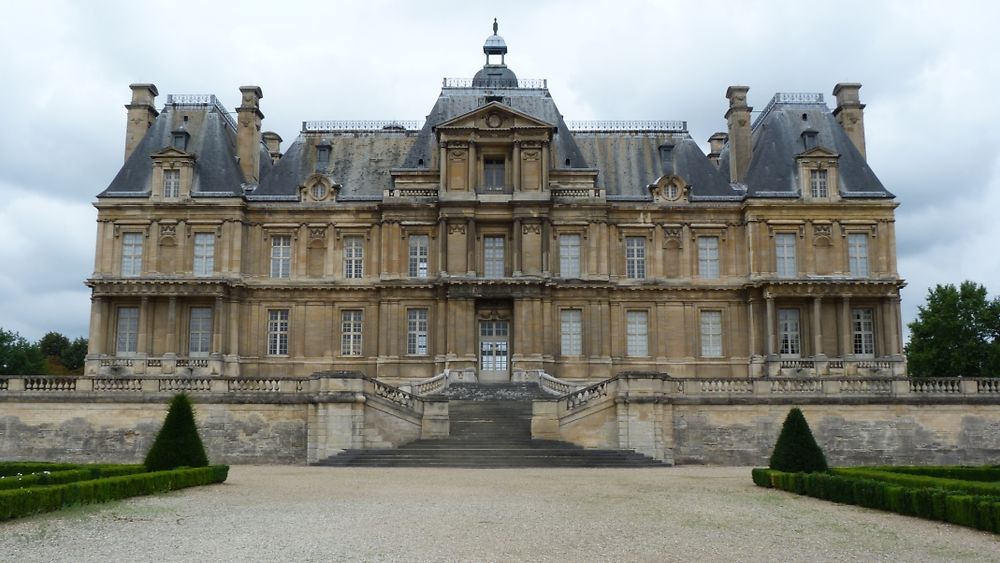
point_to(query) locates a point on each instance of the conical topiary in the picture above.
(178, 443)
(796, 449)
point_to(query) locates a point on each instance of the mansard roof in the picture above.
(777, 140)
(212, 141)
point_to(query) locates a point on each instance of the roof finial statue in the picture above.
(495, 26)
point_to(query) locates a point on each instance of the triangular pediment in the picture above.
(171, 152)
(818, 152)
(495, 115)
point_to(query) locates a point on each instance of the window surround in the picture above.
(818, 159)
(863, 332)
(203, 264)
(858, 266)
(418, 323)
(353, 252)
(707, 345)
(571, 331)
(127, 330)
(789, 332)
(352, 326)
(132, 250)
(203, 336)
(278, 328)
(786, 255)
(636, 334)
(282, 272)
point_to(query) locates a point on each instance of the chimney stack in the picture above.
(715, 144)
(850, 113)
(738, 118)
(273, 142)
(248, 133)
(141, 115)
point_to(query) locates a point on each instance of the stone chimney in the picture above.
(715, 144)
(273, 142)
(248, 133)
(738, 118)
(141, 115)
(850, 113)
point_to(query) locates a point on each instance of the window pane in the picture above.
(277, 332)
(708, 257)
(571, 331)
(419, 247)
(788, 329)
(416, 332)
(569, 256)
(350, 331)
(171, 183)
(200, 331)
(493, 257)
(784, 253)
(637, 333)
(131, 254)
(711, 334)
(493, 173)
(204, 254)
(857, 254)
(281, 256)
(863, 331)
(635, 257)
(817, 183)
(354, 258)
(127, 336)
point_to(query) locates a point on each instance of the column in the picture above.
(217, 330)
(470, 247)
(891, 329)
(171, 325)
(442, 166)
(142, 344)
(546, 232)
(817, 327)
(546, 164)
(752, 328)
(234, 328)
(98, 325)
(442, 264)
(516, 248)
(770, 325)
(845, 327)
(516, 168)
(473, 167)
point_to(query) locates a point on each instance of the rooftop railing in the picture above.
(628, 125)
(362, 125)
(497, 84)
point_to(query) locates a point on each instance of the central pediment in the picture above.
(494, 116)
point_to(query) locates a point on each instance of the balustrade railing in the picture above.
(185, 384)
(796, 386)
(579, 398)
(555, 386)
(436, 384)
(988, 386)
(118, 384)
(849, 386)
(720, 386)
(936, 386)
(50, 383)
(254, 385)
(798, 364)
(394, 394)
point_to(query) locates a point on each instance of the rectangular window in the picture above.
(857, 254)
(637, 333)
(200, 332)
(788, 331)
(127, 336)
(350, 333)
(635, 258)
(281, 256)
(708, 257)
(863, 331)
(784, 255)
(131, 254)
(354, 257)
(569, 256)
(204, 254)
(277, 332)
(416, 332)
(171, 183)
(817, 183)
(711, 334)
(493, 257)
(419, 250)
(493, 173)
(571, 331)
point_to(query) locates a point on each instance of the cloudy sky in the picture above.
(930, 71)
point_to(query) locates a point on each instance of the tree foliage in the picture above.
(53, 354)
(18, 356)
(956, 333)
(796, 449)
(177, 444)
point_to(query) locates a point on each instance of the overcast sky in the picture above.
(930, 73)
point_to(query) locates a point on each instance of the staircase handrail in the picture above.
(555, 386)
(581, 397)
(430, 385)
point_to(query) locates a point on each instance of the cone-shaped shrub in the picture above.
(178, 443)
(796, 449)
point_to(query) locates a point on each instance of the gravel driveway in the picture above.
(283, 513)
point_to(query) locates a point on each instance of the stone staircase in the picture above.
(490, 427)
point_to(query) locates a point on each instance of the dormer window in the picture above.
(171, 183)
(180, 140)
(818, 183)
(318, 192)
(322, 157)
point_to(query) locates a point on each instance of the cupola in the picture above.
(493, 74)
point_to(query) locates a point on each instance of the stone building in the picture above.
(493, 240)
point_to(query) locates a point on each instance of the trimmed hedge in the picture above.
(33, 500)
(68, 476)
(177, 444)
(889, 476)
(975, 511)
(961, 472)
(796, 448)
(8, 468)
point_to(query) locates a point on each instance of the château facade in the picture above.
(495, 239)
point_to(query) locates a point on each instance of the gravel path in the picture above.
(282, 513)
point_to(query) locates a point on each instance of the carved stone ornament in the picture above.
(822, 230)
(317, 233)
(531, 229)
(530, 155)
(456, 228)
(494, 120)
(168, 230)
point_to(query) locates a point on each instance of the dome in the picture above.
(494, 76)
(495, 45)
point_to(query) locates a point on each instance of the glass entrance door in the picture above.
(494, 355)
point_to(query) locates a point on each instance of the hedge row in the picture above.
(975, 511)
(8, 468)
(961, 472)
(921, 481)
(23, 502)
(68, 476)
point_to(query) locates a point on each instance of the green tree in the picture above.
(18, 356)
(796, 449)
(177, 444)
(75, 354)
(53, 344)
(956, 333)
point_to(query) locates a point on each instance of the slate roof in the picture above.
(777, 139)
(213, 142)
